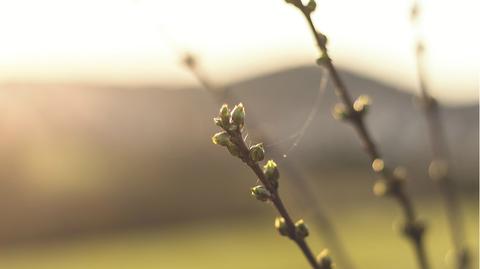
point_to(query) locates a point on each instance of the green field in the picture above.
(246, 243)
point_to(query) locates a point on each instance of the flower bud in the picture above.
(311, 6)
(378, 165)
(322, 39)
(225, 115)
(400, 173)
(414, 11)
(271, 172)
(218, 122)
(233, 149)
(257, 153)
(381, 188)
(324, 259)
(322, 59)
(238, 115)
(189, 61)
(301, 229)
(281, 226)
(340, 112)
(221, 138)
(260, 193)
(388, 187)
(361, 104)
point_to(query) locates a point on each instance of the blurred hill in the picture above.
(78, 159)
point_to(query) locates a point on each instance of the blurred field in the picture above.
(249, 242)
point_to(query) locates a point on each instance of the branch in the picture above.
(353, 112)
(302, 185)
(232, 123)
(439, 166)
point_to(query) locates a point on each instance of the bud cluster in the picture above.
(229, 121)
(271, 173)
(392, 184)
(231, 137)
(232, 122)
(301, 229)
(359, 108)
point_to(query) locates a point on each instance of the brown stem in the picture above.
(356, 120)
(438, 144)
(237, 139)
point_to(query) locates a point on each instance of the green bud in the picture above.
(257, 153)
(218, 122)
(221, 138)
(324, 259)
(301, 229)
(260, 193)
(271, 172)
(378, 165)
(281, 226)
(388, 187)
(414, 12)
(189, 61)
(225, 115)
(340, 112)
(322, 60)
(238, 115)
(232, 128)
(323, 39)
(361, 104)
(311, 6)
(400, 173)
(381, 188)
(233, 149)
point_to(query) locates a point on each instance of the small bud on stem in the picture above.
(361, 104)
(257, 153)
(301, 229)
(324, 259)
(271, 172)
(340, 112)
(261, 193)
(238, 115)
(281, 226)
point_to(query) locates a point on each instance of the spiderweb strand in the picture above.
(298, 135)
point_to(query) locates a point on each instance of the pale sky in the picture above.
(137, 42)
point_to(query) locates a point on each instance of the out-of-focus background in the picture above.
(106, 158)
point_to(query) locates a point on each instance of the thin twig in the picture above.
(413, 229)
(439, 166)
(302, 185)
(232, 122)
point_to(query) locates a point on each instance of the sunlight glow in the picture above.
(139, 42)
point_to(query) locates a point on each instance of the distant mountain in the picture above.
(283, 101)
